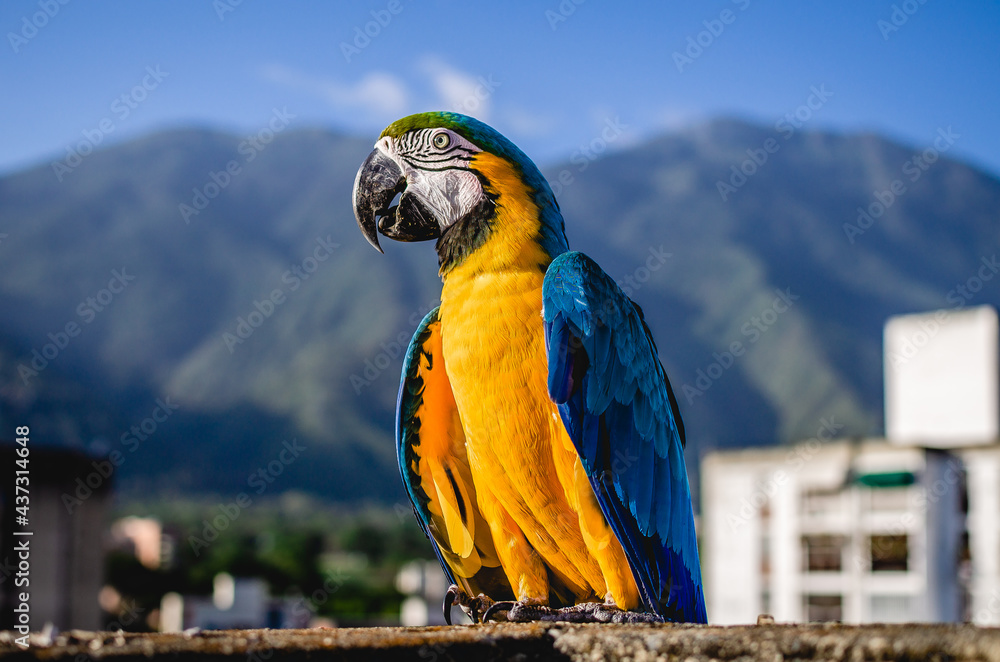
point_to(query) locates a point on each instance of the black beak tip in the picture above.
(368, 227)
(374, 243)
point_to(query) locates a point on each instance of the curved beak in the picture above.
(378, 182)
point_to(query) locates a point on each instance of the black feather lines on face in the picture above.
(418, 149)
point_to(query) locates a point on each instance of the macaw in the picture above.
(538, 438)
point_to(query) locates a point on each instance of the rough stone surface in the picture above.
(524, 642)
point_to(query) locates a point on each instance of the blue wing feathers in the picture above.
(619, 410)
(560, 377)
(667, 498)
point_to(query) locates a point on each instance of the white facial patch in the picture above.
(438, 176)
(449, 194)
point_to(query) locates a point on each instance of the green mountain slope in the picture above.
(266, 317)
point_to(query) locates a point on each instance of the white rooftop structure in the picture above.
(941, 378)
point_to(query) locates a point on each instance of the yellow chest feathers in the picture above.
(491, 303)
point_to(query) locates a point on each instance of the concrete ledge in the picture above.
(523, 642)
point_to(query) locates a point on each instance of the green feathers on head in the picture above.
(469, 128)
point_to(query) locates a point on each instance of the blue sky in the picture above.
(547, 74)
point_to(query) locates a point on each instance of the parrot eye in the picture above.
(441, 140)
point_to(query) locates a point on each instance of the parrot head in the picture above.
(452, 178)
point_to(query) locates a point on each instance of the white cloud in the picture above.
(384, 96)
(378, 92)
(457, 90)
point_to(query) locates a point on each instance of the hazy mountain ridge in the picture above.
(323, 365)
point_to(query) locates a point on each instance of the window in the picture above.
(824, 608)
(822, 553)
(889, 553)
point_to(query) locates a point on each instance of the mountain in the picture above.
(220, 284)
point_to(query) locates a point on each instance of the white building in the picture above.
(424, 584)
(853, 532)
(873, 530)
(236, 603)
(983, 471)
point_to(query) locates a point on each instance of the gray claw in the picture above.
(497, 607)
(450, 600)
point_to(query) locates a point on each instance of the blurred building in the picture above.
(144, 538)
(905, 528)
(70, 495)
(236, 603)
(836, 531)
(424, 585)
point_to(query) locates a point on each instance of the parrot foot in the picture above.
(587, 612)
(473, 606)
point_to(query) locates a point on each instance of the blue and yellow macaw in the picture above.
(537, 434)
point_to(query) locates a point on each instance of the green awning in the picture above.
(890, 479)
